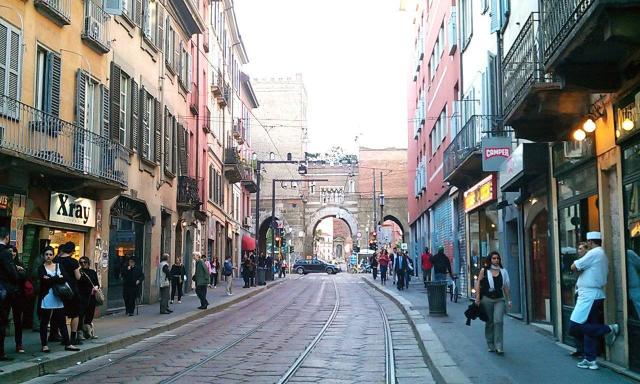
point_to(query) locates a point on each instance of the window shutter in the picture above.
(5, 40)
(496, 15)
(157, 150)
(138, 11)
(145, 18)
(135, 115)
(167, 143)
(182, 151)
(106, 131)
(115, 102)
(176, 54)
(142, 136)
(168, 54)
(160, 24)
(486, 102)
(81, 80)
(189, 72)
(10, 65)
(54, 95)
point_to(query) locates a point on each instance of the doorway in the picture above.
(541, 291)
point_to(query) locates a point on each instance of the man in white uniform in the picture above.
(585, 318)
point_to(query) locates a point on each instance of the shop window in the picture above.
(569, 154)
(483, 238)
(57, 237)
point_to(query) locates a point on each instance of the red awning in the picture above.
(248, 243)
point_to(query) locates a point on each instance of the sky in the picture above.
(353, 56)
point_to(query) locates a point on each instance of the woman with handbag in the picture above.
(71, 273)
(492, 287)
(88, 288)
(51, 278)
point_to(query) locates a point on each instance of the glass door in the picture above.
(540, 290)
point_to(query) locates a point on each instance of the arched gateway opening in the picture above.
(331, 233)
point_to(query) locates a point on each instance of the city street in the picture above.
(319, 328)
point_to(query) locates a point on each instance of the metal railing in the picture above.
(206, 124)
(231, 156)
(188, 191)
(522, 66)
(468, 141)
(39, 135)
(559, 19)
(194, 98)
(96, 25)
(59, 8)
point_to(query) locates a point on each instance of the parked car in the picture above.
(302, 267)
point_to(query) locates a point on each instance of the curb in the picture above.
(442, 366)
(27, 370)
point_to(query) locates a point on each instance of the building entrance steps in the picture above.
(117, 331)
(458, 353)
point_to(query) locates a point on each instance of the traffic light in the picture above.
(356, 248)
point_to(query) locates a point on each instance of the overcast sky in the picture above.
(353, 56)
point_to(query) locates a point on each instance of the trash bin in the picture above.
(437, 295)
(261, 275)
(269, 273)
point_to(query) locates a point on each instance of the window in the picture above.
(47, 95)
(211, 183)
(169, 44)
(467, 22)
(439, 131)
(169, 134)
(150, 22)
(125, 99)
(91, 105)
(10, 65)
(147, 124)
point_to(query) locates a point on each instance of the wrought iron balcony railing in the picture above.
(189, 192)
(96, 27)
(522, 66)
(249, 178)
(57, 10)
(559, 19)
(232, 165)
(29, 132)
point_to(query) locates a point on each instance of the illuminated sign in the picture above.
(481, 193)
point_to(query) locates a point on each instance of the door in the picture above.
(126, 240)
(540, 288)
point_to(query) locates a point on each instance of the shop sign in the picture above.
(65, 208)
(495, 150)
(512, 167)
(481, 193)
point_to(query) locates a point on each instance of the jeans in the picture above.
(493, 328)
(426, 276)
(176, 286)
(201, 292)
(383, 273)
(164, 299)
(374, 270)
(440, 277)
(592, 330)
(57, 319)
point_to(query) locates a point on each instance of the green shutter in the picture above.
(157, 136)
(182, 151)
(54, 64)
(135, 116)
(105, 112)
(143, 137)
(114, 133)
(81, 80)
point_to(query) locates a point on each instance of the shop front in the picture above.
(482, 224)
(576, 181)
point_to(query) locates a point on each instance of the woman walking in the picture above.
(493, 290)
(87, 287)
(177, 279)
(53, 310)
(163, 279)
(384, 266)
(213, 282)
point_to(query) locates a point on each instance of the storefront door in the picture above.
(540, 290)
(483, 238)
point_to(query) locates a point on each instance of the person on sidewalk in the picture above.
(401, 269)
(71, 273)
(373, 261)
(283, 269)
(132, 278)
(425, 260)
(585, 321)
(246, 271)
(163, 279)
(201, 278)
(18, 299)
(392, 263)
(178, 274)
(492, 287)
(215, 265)
(53, 310)
(8, 284)
(410, 269)
(254, 269)
(583, 248)
(441, 266)
(87, 286)
(384, 266)
(227, 271)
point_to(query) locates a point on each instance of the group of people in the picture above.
(57, 286)
(397, 264)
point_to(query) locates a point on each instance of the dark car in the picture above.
(302, 267)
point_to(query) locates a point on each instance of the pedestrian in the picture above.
(583, 248)
(441, 266)
(401, 268)
(585, 320)
(246, 271)
(283, 269)
(213, 282)
(132, 278)
(207, 264)
(163, 280)
(227, 271)
(201, 278)
(425, 260)
(410, 269)
(392, 259)
(384, 265)
(178, 276)
(71, 273)
(35, 279)
(8, 285)
(87, 288)
(252, 276)
(18, 299)
(373, 261)
(53, 310)
(492, 287)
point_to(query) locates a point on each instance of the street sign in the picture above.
(359, 235)
(404, 246)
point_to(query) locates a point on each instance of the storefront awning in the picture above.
(248, 243)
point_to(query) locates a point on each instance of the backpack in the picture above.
(228, 268)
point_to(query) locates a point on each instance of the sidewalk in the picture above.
(116, 331)
(532, 355)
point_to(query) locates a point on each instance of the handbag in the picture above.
(97, 291)
(62, 290)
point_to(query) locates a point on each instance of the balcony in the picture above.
(59, 11)
(194, 98)
(221, 90)
(238, 132)
(205, 41)
(188, 193)
(68, 151)
(206, 124)
(462, 164)
(249, 179)
(232, 165)
(96, 27)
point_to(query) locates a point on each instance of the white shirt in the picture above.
(594, 268)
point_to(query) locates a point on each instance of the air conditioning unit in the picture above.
(247, 221)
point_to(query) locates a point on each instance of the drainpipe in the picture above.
(199, 113)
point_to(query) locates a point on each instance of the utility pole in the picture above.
(381, 206)
(373, 204)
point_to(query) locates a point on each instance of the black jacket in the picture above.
(473, 312)
(9, 277)
(177, 272)
(130, 276)
(88, 277)
(441, 263)
(46, 284)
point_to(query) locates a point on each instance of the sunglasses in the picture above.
(48, 254)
